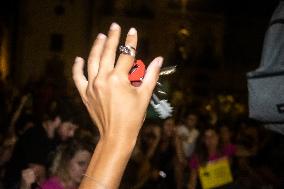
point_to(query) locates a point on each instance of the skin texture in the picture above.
(78, 166)
(34, 174)
(116, 107)
(28, 177)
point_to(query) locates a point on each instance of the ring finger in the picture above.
(125, 61)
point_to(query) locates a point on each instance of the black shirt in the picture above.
(33, 146)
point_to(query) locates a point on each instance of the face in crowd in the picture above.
(78, 165)
(211, 139)
(71, 161)
(169, 127)
(66, 130)
(191, 121)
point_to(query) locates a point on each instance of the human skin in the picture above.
(116, 107)
(78, 165)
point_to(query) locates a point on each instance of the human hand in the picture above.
(117, 107)
(28, 178)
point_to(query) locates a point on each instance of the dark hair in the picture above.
(225, 123)
(51, 111)
(64, 153)
(23, 120)
(65, 109)
(191, 112)
(201, 149)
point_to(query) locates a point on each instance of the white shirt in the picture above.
(188, 138)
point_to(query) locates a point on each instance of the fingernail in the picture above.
(114, 26)
(159, 61)
(132, 31)
(101, 36)
(77, 59)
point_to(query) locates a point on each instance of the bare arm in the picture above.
(17, 114)
(117, 107)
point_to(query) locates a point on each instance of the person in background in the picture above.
(143, 153)
(69, 165)
(208, 149)
(31, 176)
(25, 122)
(187, 134)
(165, 157)
(6, 150)
(226, 136)
(33, 148)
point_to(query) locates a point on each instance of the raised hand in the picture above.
(117, 107)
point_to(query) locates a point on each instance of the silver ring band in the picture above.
(128, 50)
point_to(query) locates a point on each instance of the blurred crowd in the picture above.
(47, 139)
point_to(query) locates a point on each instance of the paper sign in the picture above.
(215, 173)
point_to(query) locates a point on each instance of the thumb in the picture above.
(152, 75)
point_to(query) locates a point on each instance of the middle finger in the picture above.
(108, 57)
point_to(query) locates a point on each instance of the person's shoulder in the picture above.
(51, 183)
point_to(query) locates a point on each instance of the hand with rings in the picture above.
(128, 50)
(117, 108)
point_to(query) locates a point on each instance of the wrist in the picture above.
(118, 144)
(120, 135)
(109, 161)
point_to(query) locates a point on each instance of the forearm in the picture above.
(16, 116)
(117, 107)
(108, 163)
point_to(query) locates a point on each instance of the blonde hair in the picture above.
(64, 154)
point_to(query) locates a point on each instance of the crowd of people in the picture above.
(48, 141)
(54, 149)
(172, 154)
(48, 148)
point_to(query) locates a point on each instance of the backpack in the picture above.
(266, 83)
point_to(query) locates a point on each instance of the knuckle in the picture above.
(98, 84)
